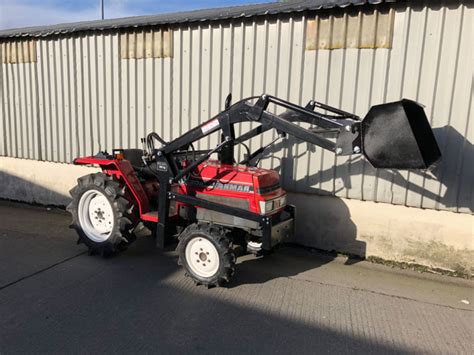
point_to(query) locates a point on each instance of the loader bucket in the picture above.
(398, 135)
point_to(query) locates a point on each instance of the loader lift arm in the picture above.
(345, 125)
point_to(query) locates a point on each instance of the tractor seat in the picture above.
(134, 156)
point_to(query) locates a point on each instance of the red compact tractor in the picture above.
(212, 206)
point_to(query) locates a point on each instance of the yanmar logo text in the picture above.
(219, 185)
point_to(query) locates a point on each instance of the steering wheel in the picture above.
(245, 161)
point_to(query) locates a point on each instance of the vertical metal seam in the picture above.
(43, 45)
(8, 99)
(241, 82)
(300, 93)
(162, 83)
(210, 83)
(417, 95)
(277, 78)
(180, 84)
(15, 108)
(64, 119)
(74, 110)
(69, 58)
(385, 90)
(343, 68)
(190, 76)
(135, 87)
(370, 99)
(127, 94)
(231, 60)
(463, 153)
(119, 87)
(153, 78)
(326, 96)
(112, 87)
(313, 94)
(27, 100)
(82, 147)
(199, 83)
(56, 157)
(221, 70)
(104, 78)
(265, 65)
(252, 76)
(352, 160)
(241, 93)
(89, 91)
(406, 29)
(286, 149)
(145, 59)
(97, 90)
(3, 94)
(435, 86)
(450, 111)
(254, 47)
(328, 84)
(171, 59)
(37, 105)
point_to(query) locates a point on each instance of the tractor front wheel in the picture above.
(101, 214)
(207, 255)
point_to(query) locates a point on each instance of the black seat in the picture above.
(134, 156)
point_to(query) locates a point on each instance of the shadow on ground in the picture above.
(140, 302)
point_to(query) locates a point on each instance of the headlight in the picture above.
(266, 206)
(271, 205)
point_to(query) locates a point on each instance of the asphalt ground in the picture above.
(54, 298)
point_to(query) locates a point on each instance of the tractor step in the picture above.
(150, 216)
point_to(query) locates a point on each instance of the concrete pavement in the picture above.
(54, 298)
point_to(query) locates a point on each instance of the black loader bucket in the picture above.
(398, 135)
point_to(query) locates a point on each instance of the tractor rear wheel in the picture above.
(101, 214)
(206, 253)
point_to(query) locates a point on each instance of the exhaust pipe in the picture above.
(397, 135)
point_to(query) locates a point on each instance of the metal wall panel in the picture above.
(80, 96)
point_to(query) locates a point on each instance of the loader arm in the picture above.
(346, 125)
(394, 135)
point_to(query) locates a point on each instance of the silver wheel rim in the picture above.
(202, 257)
(96, 216)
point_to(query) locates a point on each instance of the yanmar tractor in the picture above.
(212, 206)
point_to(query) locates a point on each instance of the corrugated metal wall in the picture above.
(80, 96)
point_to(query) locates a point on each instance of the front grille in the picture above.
(232, 202)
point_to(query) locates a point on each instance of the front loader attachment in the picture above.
(398, 135)
(395, 135)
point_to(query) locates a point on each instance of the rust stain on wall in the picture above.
(146, 44)
(21, 51)
(351, 30)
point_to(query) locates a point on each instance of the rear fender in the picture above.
(122, 170)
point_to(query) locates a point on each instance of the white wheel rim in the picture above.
(254, 245)
(202, 257)
(96, 215)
